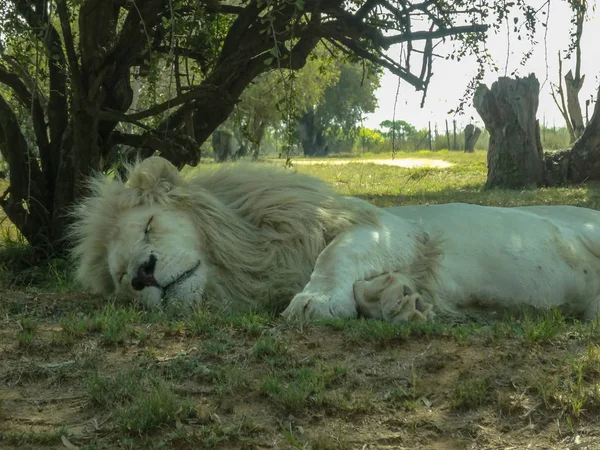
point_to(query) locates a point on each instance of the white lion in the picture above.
(246, 236)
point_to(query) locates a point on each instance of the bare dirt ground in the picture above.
(403, 162)
(76, 373)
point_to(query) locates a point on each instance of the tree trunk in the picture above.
(259, 135)
(515, 156)
(310, 135)
(222, 145)
(472, 133)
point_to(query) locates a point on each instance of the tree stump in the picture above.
(472, 133)
(515, 157)
(585, 154)
(222, 143)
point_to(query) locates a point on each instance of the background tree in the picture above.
(263, 104)
(471, 133)
(398, 129)
(333, 121)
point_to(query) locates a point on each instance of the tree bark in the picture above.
(515, 156)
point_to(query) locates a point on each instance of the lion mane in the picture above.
(262, 227)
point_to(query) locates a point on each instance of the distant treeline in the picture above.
(404, 138)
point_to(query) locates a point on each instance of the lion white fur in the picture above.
(248, 235)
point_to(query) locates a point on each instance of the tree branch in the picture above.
(437, 34)
(63, 15)
(413, 80)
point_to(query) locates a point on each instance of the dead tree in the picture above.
(508, 109)
(571, 109)
(472, 133)
(585, 154)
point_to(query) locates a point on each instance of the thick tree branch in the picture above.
(13, 81)
(240, 26)
(57, 110)
(25, 174)
(31, 103)
(179, 150)
(192, 94)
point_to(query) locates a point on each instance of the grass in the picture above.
(296, 389)
(20, 438)
(141, 379)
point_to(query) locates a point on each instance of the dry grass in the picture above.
(105, 376)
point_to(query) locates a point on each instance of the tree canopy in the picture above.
(72, 66)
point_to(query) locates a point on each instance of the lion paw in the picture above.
(307, 306)
(409, 308)
(391, 297)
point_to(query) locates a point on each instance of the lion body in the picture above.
(247, 236)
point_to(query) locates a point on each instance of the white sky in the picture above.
(450, 78)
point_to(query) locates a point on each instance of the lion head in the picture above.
(242, 235)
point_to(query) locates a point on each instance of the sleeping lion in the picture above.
(247, 236)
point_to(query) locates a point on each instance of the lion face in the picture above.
(156, 257)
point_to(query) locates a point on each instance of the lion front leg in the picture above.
(351, 257)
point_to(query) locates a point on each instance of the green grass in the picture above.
(142, 402)
(20, 438)
(115, 324)
(296, 389)
(27, 330)
(470, 393)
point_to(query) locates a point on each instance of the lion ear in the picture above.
(154, 174)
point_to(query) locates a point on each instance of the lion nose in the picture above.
(145, 275)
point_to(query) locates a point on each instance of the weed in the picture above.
(113, 322)
(295, 389)
(470, 394)
(27, 330)
(330, 441)
(268, 347)
(203, 322)
(107, 392)
(253, 324)
(151, 408)
(543, 330)
(33, 437)
(229, 380)
(218, 346)
(574, 389)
